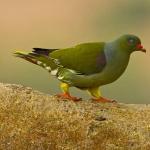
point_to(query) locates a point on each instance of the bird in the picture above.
(86, 66)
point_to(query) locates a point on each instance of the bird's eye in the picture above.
(131, 41)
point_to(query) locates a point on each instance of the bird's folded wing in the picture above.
(86, 59)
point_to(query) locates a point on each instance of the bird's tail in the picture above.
(39, 59)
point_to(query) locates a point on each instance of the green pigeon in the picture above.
(86, 66)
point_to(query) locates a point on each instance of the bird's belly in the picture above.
(113, 70)
(112, 73)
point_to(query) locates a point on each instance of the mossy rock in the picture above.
(36, 121)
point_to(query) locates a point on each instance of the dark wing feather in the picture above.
(43, 51)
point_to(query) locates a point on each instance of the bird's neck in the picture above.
(116, 56)
(114, 48)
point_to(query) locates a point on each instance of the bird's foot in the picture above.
(68, 96)
(103, 100)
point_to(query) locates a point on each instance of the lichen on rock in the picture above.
(32, 120)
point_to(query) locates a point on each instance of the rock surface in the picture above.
(36, 121)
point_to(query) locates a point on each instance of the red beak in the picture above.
(140, 48)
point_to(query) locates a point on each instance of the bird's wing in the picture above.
(86, 59)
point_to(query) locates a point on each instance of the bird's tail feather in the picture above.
(43, 51)
(46, 62)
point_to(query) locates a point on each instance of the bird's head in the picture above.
(130, 43)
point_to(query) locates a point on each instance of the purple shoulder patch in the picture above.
(101, 61)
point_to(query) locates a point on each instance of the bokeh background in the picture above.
(64, 23)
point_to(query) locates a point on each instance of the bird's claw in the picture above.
(68, 96)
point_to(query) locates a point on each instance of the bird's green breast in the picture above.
(117, 61)
(116, 65)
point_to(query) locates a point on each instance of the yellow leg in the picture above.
(66, 95)
(95, 92)
(64, 87)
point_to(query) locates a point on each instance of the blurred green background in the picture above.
(64, 23)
